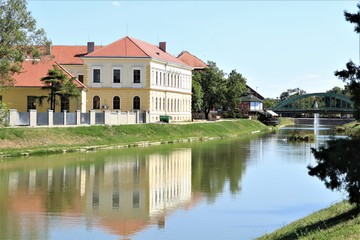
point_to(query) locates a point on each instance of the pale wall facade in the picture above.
(161, 88)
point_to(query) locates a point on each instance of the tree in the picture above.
(59, 84)
(351, 75)
(19, 39)
(197, 93)
(235, 86)
(212, 84)
(338, 166)
(291, 93)
(270, 103)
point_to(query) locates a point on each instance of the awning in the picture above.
(274, 114)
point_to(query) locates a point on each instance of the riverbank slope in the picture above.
(35, 141)
(350, 129)
(339, 221)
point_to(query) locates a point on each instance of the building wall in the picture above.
(106, 67)
(126, 98)
(16, 98)
(74, 70)
(164, 89)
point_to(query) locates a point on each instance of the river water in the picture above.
(228, 189)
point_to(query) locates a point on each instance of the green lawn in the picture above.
(25, 140)
(339, 221)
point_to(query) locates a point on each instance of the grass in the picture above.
(303, 137)
(350, 129)
(339, 221)
(32, 141)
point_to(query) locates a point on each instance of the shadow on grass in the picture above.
(322, 225)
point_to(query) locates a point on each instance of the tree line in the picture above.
(212, 89)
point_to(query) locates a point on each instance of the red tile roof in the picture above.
(129, 47)
(192, 60)
(70, 54)
(33, 71)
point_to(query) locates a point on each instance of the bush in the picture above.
(298, 136)
(4, 113)
(338, 165)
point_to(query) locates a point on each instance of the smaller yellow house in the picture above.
(25, 93)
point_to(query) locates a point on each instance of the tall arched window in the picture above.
(116, 102)
(136, 103)
(96, 102)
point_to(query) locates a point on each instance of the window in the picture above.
(65, 104)
(31, 102)
(136, 103)
(116, 102)
(116, 75)
(136, 75)
(81, 78)
(95, 199)
(136, 199)
(115, 200)
(96, 75)
(96, 102)
(160, 81)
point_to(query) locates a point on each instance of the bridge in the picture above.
(330, 104)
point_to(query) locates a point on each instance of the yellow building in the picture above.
(127, 75)
(26, 92)
(130, 74)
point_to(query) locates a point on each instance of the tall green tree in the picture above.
(235, 86)
(58, 84)
(338, 163)
(197, 93)
(19, 39)
(351, 75)
(212, 84)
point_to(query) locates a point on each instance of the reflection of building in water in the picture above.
(132, 194)
(169, 181)
(121, 195)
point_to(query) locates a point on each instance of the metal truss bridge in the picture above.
(327, 103)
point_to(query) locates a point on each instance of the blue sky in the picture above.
(276, 45)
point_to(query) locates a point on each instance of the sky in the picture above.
(275, 45)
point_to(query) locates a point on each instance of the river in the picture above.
(227, 189)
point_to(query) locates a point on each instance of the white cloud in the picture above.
(115, 3)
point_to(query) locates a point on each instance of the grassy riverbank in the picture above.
(350, 129)
(339, 221)
(32, 141)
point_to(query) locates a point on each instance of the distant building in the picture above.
(192, 60)
(255, 93)
(250, 105)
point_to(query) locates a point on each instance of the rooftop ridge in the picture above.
(137, 45)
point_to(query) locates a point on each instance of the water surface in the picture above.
(228, 189)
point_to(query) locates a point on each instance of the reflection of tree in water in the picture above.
(61, 194)
(216, 164)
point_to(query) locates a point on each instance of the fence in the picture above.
(50, 118)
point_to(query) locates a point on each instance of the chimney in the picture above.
(90, 47)
(162, 46)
